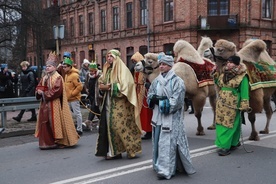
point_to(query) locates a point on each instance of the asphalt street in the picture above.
(255, 162)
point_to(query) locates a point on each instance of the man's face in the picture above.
(66, 68)
(164, 67)
(24, 68)
(50, 68)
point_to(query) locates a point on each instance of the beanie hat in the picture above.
(160, 55)
(137, 57)
(93, 66)
(234, 59)
(68, 61)
(86, 61)
(167, 60)
(67, 54)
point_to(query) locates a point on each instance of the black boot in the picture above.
(33, 118)
(17, 118)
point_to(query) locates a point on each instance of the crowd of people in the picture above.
(127, 109)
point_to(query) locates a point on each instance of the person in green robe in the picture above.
(233, 99)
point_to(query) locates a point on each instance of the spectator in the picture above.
(233, 97)
(73, 88)
(84, 70)
(92, 89)
(59, 67)
(55, 127)
(8, 83)
(119, 129)
(170, 144)
(28, 84)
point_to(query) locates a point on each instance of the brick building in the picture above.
(92, 27)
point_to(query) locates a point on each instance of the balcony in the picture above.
(224, 22)
(52, 11)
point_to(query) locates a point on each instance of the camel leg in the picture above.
(198, 108)
(268, 113)
(212, 100)
(254, 134)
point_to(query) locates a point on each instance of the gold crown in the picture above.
(52, 57)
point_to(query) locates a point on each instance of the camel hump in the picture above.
(183, 49)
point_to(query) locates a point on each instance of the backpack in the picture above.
(35, 77)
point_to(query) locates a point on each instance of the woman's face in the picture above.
(109, 58)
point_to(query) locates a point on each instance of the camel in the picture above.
(253, 52)
(196, 90)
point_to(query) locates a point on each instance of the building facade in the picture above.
(92, 27)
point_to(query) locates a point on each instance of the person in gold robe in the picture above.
(119, 128)
(55, 127)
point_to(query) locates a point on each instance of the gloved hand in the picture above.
(147, 85)
(155, 100)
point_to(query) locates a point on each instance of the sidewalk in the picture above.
(13, 128)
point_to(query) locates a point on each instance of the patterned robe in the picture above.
(119, 129)
(233, 97)
(170, 144)
(55, 125)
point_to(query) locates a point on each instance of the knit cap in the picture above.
(167, 60)
(68, 61)
(93, 66)
(86, 61)
(234, 59)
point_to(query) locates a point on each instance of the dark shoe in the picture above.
(114, 158)
(148, 135)
(191, 112)
(235, 147)
(17, 118)
(32, 119)
(79, 132)
(224, 152)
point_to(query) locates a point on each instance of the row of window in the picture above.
(215, 8)
(143, 16)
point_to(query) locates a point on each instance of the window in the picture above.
(168, 49)
(65, 28)
(103, 55)
(266, 9)
(129, 15)
(91, 23)
(81, 25)
(168, 10)
(143, 12)
(143, 49)
(115, 18)
(218, 7)
(103, 19)
(129, 54)
(72, 27)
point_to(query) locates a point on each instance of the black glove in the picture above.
(155, 100)
(147, 85)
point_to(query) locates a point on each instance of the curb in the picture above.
(17, 133)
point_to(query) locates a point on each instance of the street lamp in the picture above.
(58, 34)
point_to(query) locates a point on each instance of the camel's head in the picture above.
(223, 50)
(148, 64)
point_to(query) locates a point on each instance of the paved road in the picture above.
(22, 161)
